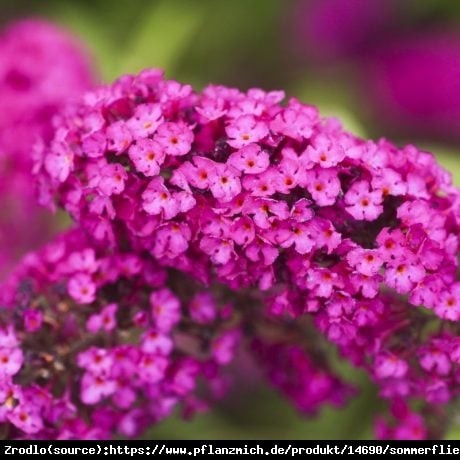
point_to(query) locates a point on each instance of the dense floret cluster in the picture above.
(96, 343)
(88, 348)
(300, 221)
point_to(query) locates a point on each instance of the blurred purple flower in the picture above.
(414, 84)
(330, 29)
(41, 67)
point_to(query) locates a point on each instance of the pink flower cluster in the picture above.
(40, 69)
(268, 205)
(96, 343)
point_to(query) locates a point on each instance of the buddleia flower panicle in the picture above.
(311, 233)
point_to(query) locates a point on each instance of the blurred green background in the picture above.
(244, 43)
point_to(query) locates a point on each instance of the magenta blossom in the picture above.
(140, 357)
(267, 206)
(406, 98)
(85, 357)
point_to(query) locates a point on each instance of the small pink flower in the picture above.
(245, 130)
(261, 252)
(8, 337)
(119, 137)
(323, 185)
(390, 366)
(171, 240)
(82, 261)
(145, 121)
(11, 360)
(175, 138)
(391, 244)
(165, 309)
(224, 183)
(366, 262)
(112, 179)
(369, 286)
(156, 343)
(105, 320)
(420, 212)
(152, 368)
(263, 185)
(26, 419)
(223, 347)
(184, 376)
(324, 152)
(211, 108)
(82, 288)
(326, 235)
(296, 121)
(59, 162)
(427, 292)
(33, 320)
(202, 308)
(264, 211)
(389, 182)
(299, 235)
(158, 199)
(448, 304)
(363, 204)
(368, 312)
(124, 395)
(94, 388)
(402, 275)
(301, 210)
(435, 358)
(97, 361)
(198, 174)
(243, 231)
(287, 175)
(147, 156)
(416, 186)
(323, 282)
(95, 144)
(250, 159)
(123, 360)
(220, 250)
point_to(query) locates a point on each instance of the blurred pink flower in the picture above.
(41, 67)
(330, 29)
(414, 84)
